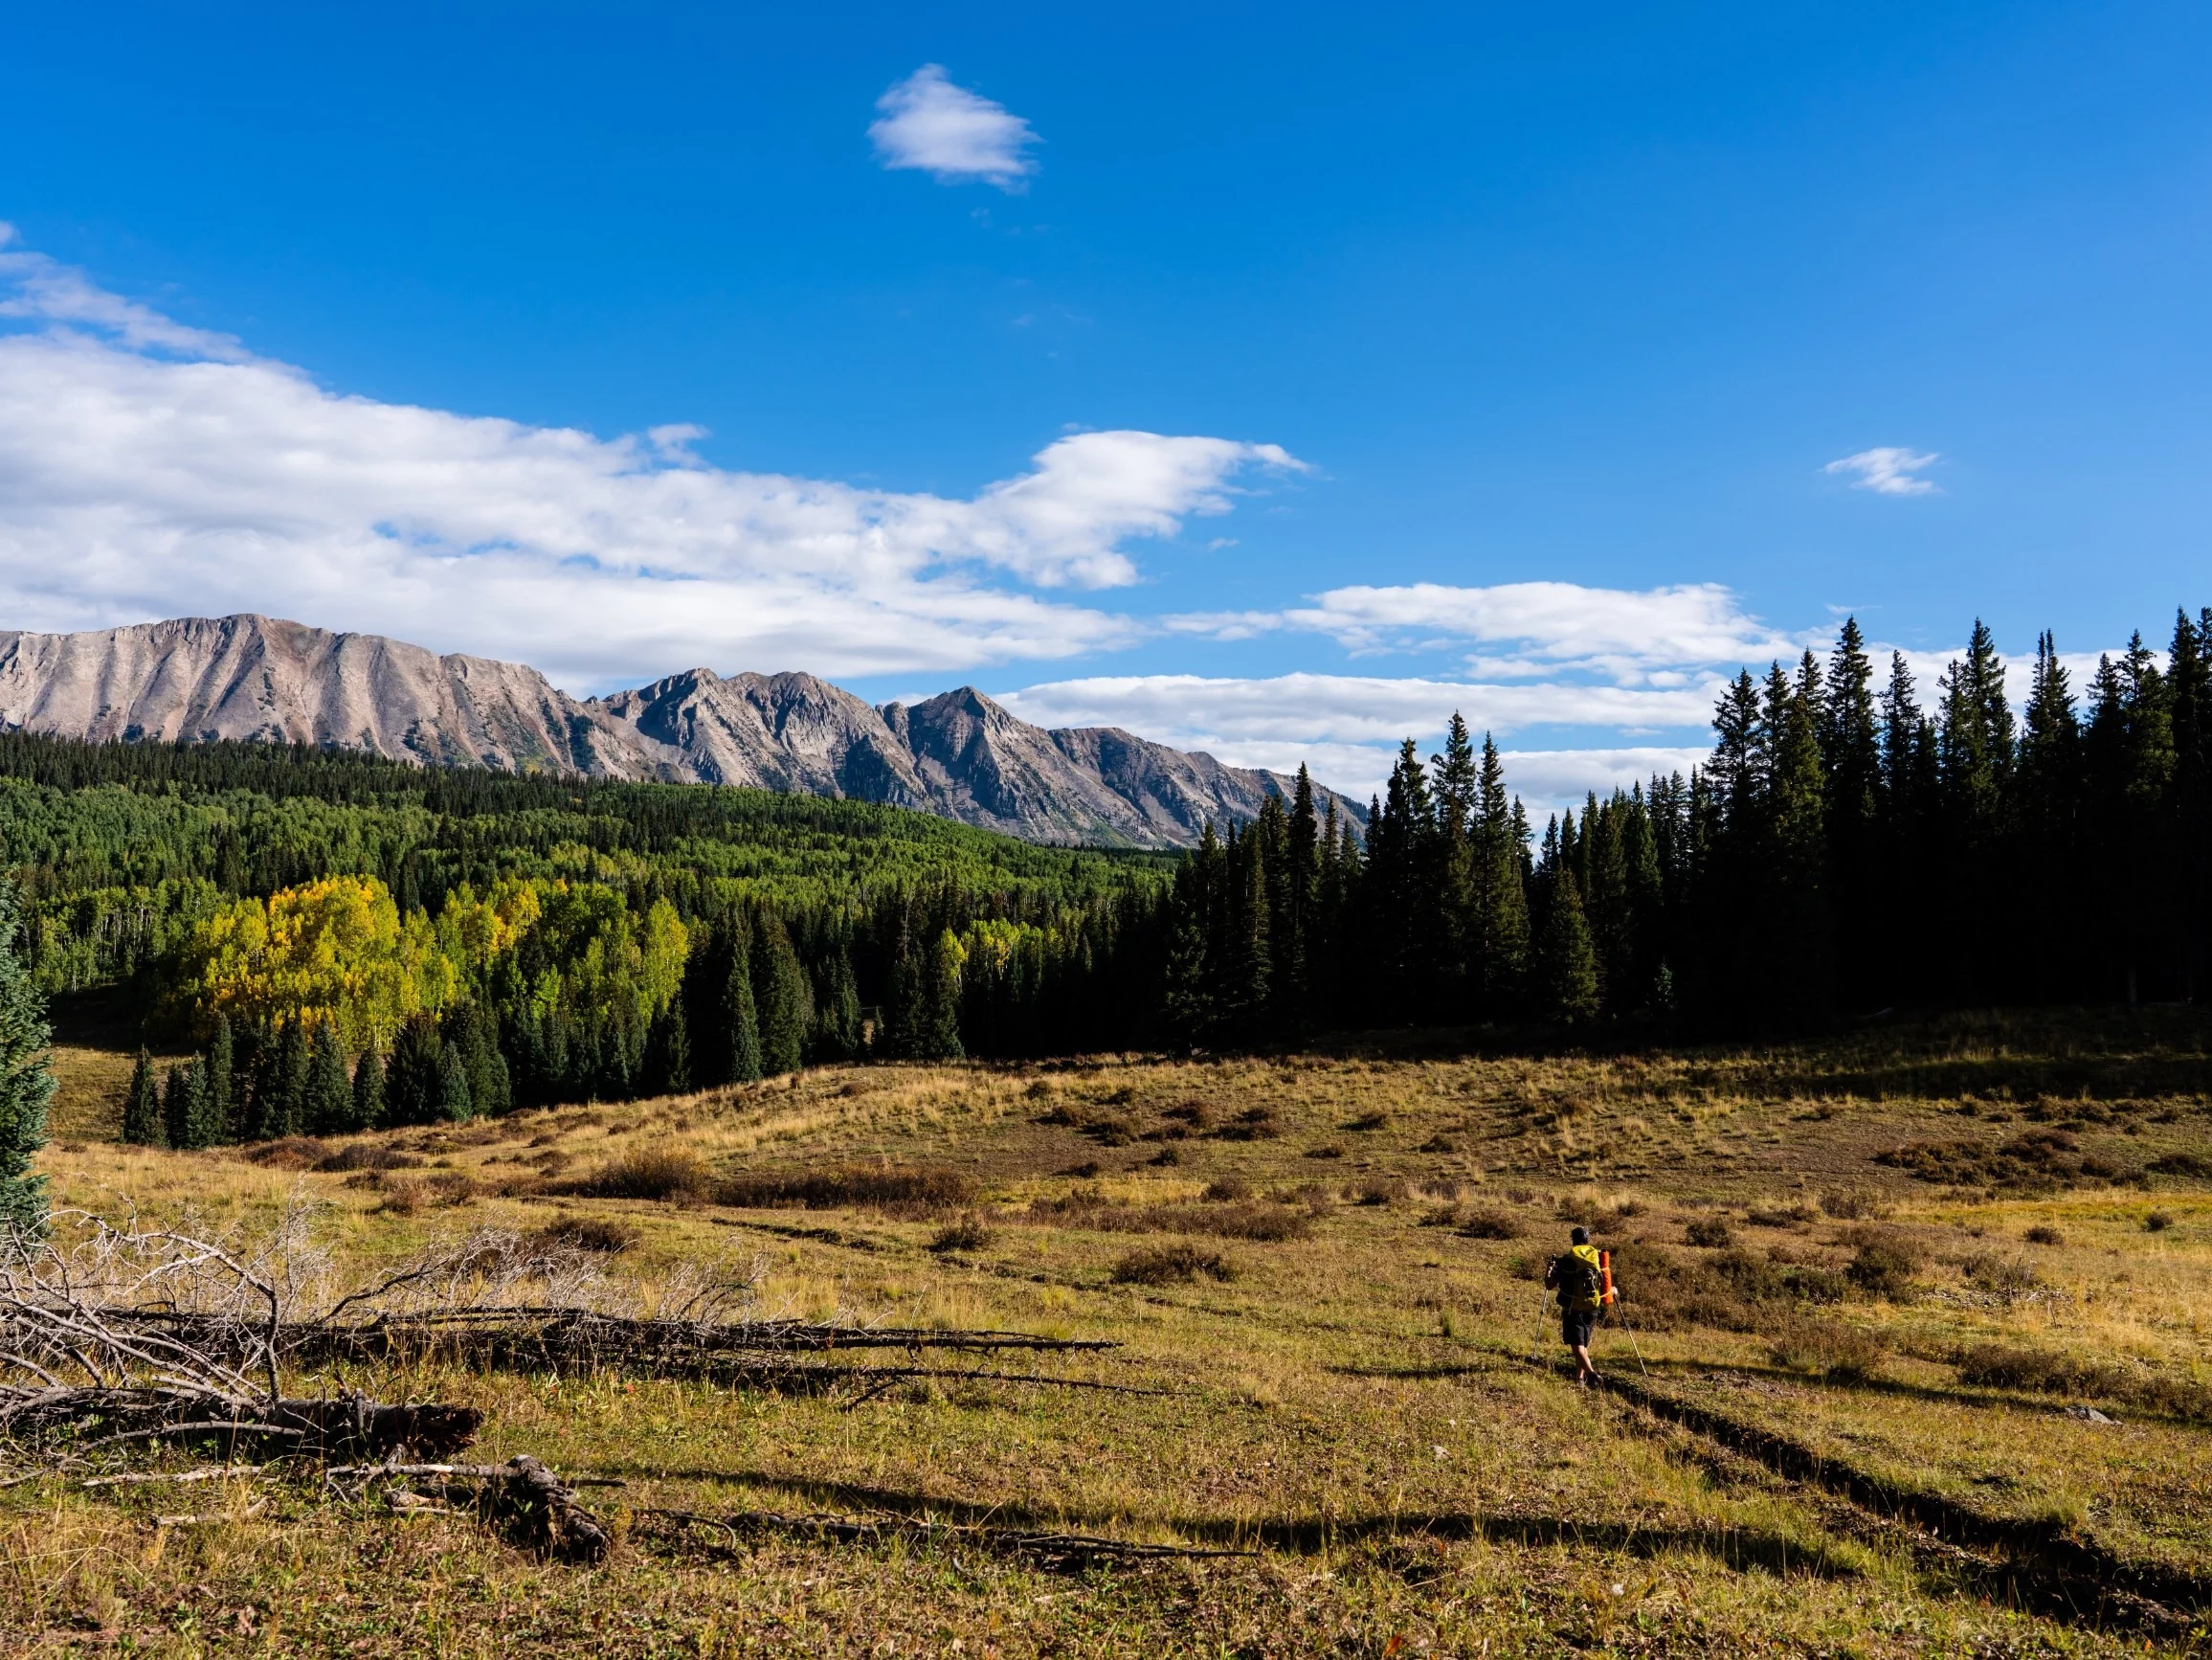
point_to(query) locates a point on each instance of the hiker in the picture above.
(1579, 1279)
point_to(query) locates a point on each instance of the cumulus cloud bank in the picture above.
(149, 469)
(950, 133)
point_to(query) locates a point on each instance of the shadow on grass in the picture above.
(1744, 1549)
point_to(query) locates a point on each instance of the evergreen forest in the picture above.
(347, 941)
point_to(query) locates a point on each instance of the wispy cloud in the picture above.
(952, 133)
(1888, 470)
(150, 470)
(1655, 636)
(1347, 727)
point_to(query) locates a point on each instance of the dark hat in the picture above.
(1581, 1235)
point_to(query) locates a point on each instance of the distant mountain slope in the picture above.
(959, 755)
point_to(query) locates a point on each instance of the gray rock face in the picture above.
(959, 755)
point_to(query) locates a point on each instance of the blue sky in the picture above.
(1422, 306)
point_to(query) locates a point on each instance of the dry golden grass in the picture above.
(1351, 1399)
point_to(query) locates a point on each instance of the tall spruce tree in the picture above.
(368, 1090)
(939, 1036)
(330, 1104)
(143, 1124)
(1565, 970)
(786, 1004)
(414, 1077)
(455, 1104)
(26, 1081)
(740, 1014)
(222, 1091)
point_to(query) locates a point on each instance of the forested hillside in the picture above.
(356, 941)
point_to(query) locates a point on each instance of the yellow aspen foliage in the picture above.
(334, 950)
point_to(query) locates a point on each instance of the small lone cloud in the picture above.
(1888, 470)
(950, 133)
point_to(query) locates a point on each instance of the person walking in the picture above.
(1578, 1277)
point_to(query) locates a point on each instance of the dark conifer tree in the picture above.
(1565, 970)
(26, 1081)
(1187, 990)
(938, 1036)
(836, 1034)
(455, 1103)
(1499, 904)
(330, 1106)
(415, 1079)
(368, 1091)
(786, 1006)
(2047, 787)
(223, 1104)
(668, 1053)
(740, 1014)
(1298, 935)
(471, 1031)
(185, 1105)
(143, 1120)
(1851, 758)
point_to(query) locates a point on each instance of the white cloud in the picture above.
(952, 133)
(1347, 727)
(1655, 636)
(1888, 470)
(149, 470)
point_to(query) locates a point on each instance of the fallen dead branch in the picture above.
(521, 1493)
(1055, 1552)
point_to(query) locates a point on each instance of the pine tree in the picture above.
(786, 1006)
(415, 1080)
(1566, 967)
(143, 1124)
(668, 1053)
(1299, 935)
(454, 1104)
(837, 1035)
(1497, 948)
(1851, 758)
(470, 1029)
(330, 1106)
(185, 1105)
(26, 1082)
(222, 1093)
(368, 1091)
(741, 1016)
(1188, 989)
(939, 1036)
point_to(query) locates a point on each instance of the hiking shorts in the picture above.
(1575, 1326)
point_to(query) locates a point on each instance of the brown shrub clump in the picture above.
(894, 1190)
(1171, 1264)
(366, 1155)
(968, 1233)
(1708, 1233)
(656, 1172)
(1490, 1224)
(605, 1234)
(1827, 1348)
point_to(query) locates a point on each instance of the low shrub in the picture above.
(2043, 1234)
(1265, 1224)
(293, 1153)
(1708, 1233)
(2047, 1372)
(1227, 1190)
(967, 1233)
(1883, 1265)
(1171, 1264)
(1827, 1348)
(1327, 1149)
(1490, 1224)
(2193, 1165)
(655, 1172)
(1792, 1216)
(2157, 1221)
(1366, 1121)
(367, 1156)
(1253, 1124)
(453, 1187)
(1845, 1206)
(601, 1235)
(1438, 1144)
(894, 1190)
(1378, 1190)
(1994, 1271)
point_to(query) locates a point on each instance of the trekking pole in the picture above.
(1536, 1331)
(1634, 1347)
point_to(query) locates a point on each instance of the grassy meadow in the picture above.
(1914, 1361)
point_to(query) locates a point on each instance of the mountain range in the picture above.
(959, 755)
